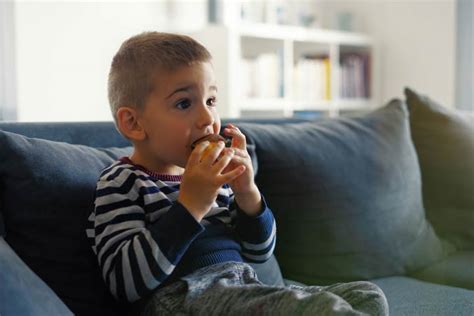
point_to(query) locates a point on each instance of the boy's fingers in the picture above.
(224, 160)
(241, 152)
(195, 156)
(238, 138)
(231, 175)
(239, 160)
(211, 153)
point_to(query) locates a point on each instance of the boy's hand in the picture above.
(246, 191)
(204, 175)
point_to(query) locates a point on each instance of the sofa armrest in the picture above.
(22, 292)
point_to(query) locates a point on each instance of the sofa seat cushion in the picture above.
(407, 296)
(346, 194)
(455, 270)
(46, 194)
(444, 141)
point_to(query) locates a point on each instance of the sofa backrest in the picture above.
(97, 134)
(94, 134)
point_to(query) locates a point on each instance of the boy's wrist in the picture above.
(249, 202)
(191, 208)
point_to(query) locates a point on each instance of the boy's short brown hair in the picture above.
(134, 66)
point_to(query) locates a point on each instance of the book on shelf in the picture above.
(262, 76)
(312, 78)
(355, 75)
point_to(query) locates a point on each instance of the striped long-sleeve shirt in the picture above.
(143, 237)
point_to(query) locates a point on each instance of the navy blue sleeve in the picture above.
(257, 233)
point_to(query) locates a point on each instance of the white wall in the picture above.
(464, 82)
(7, 62)
(64, 50)
(416, 40)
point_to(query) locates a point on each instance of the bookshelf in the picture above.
(283, 70)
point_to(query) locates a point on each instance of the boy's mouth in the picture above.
(213, 138)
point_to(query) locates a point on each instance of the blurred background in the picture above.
(272, 57)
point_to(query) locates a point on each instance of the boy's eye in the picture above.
(212, 101)
(183, 104)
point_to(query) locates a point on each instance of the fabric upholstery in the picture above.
(47, 192)
(455, 270)
(346, 194)
(22, 292)
(407, 296)
(93, 134)
(269, 272)
(444, 141)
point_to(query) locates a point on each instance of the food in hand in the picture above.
(213, 140)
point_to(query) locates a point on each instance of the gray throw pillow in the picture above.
(46, 194)
(444, 141)
(346, 194)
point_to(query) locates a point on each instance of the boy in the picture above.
(173, 223)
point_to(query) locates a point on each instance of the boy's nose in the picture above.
(206, 116)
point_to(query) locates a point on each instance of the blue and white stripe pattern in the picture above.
(260, 252)
(140, 233)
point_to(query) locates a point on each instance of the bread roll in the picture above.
(213, 139)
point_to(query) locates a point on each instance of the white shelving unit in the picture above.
(229, 46)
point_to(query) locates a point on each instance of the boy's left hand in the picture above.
(245, 190)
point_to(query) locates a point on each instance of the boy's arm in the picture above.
(257, 233)
(135, 258)
(254, 222)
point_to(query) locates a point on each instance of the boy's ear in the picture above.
(129, 125)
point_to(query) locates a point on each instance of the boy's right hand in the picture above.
(203, 177)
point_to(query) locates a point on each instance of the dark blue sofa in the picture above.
(385, 197)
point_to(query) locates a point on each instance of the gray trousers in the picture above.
(232, 288)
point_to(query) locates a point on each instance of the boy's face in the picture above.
(181, 109)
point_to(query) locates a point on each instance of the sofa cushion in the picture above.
(407, 296)
(47, 192)
(346, 194)
(269, 272)
(455, 270)
(22, 292)
(444, 141)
